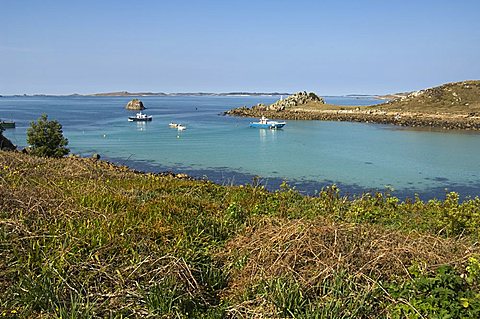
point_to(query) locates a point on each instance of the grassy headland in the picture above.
(81, 238)
(450, 106)
(454, 98)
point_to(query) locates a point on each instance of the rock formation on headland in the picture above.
(135, 104)
(297, 99)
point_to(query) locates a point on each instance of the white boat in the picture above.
(173, 125)
(140, 117)
(181, 127)
(266, 123)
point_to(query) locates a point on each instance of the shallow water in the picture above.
(308, 154)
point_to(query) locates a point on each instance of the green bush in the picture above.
(445, 294)
(46, 138)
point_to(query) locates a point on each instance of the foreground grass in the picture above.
(85, 239)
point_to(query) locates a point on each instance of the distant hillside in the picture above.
(459, 97)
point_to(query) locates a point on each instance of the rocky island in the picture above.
(135, 104)
(449, 106)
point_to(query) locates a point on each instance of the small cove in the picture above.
(309, 155)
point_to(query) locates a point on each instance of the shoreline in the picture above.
(307, 187)
(363, 115)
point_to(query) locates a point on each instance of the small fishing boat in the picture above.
(140, 117)
(266, 123)
(7, 124)
(181, 127)
(173, 125)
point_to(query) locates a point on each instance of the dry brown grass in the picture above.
(451, 98)
(312, 251)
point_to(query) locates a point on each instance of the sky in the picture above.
(329, 47)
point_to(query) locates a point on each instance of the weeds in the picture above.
(86, 239)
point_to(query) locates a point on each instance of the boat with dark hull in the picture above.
(140, 117)
(7, 124)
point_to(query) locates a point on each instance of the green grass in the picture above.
(85, 239)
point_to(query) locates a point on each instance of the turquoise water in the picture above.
(308, 154)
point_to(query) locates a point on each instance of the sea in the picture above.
(307, 155)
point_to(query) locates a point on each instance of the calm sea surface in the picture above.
(308, 154)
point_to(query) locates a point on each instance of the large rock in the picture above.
(287, 104)
(296, 99)
(6, 144)
(135, 104)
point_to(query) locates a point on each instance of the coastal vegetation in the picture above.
(82, 238)
(449, 106)
(45, 138)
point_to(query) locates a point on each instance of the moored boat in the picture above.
(266, 123)
(140, 117)
(7, 124)
(173, 125)
(181, 127)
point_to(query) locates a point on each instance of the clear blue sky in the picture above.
(330, 47)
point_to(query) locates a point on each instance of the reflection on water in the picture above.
(267, 135)
(141, 126)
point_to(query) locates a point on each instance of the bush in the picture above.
(46, 138)
(445, 294)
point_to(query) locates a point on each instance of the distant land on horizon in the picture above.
(126, 93)
(388, 96)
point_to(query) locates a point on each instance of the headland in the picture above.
(449, 106)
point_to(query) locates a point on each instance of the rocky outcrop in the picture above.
(259, 107)
(6, 144)
(297, 99)
(135, 104)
